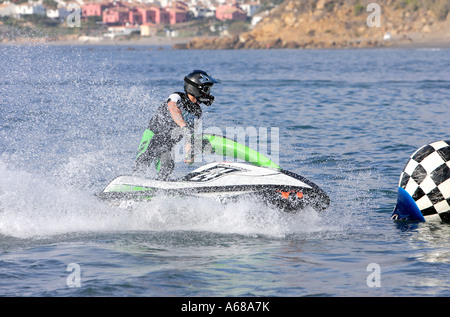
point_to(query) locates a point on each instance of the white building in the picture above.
(250, 8)
(164, 3)
(258, 17)
(30, 8)
(125, 30)
(7, 9)
(201, 11)
(60, 13)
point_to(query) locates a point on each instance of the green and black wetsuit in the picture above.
(162, 134)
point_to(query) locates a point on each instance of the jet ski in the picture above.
(257, 177)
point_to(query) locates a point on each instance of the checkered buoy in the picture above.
(424, 187)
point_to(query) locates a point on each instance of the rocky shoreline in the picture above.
(331, 24)
(220, 43)
(234, 42)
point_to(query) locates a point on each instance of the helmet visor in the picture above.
(206, 89)
(207, 79)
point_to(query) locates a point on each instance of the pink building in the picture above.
(135, 17)
(230, 12)
(94, 9)
(178, 12)
(116, 15)
(146, 14)
(177, 15)
(119, 14)
(159, 15)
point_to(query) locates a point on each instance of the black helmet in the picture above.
(199, 84)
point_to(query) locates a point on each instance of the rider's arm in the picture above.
(175, 112)
(177, 116)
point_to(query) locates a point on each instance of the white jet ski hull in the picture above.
(224, 182)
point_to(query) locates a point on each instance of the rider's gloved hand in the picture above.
(189, 159)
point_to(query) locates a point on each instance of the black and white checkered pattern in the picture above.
(426, 177)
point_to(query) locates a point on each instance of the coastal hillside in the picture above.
(341, 24)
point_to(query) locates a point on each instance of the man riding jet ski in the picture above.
(257, 178)
(173, 120)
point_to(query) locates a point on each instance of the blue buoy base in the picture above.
(406, 208)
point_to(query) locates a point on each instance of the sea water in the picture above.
(71, 119)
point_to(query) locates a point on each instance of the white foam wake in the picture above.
(33, 205)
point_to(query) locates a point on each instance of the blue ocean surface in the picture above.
(71, 119)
